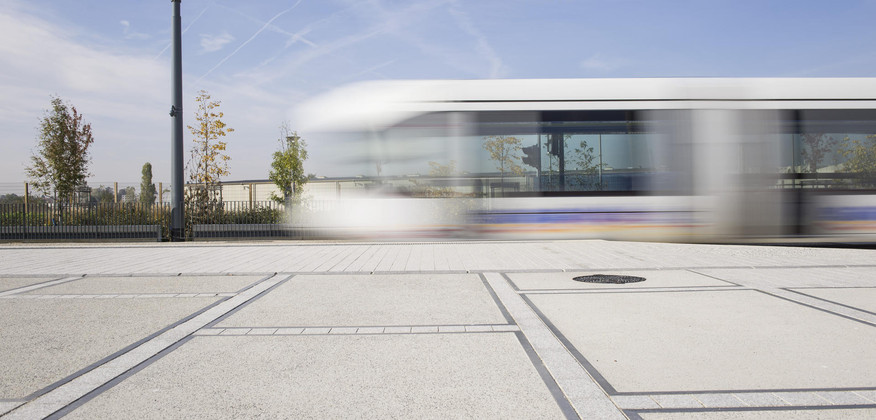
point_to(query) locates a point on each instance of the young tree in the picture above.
(583, 157)
(208, 161)
(815, 148)
(147, 188)
(287, 168)
(128, 195)
(505, 150)
(861, 157)
(61, 161)
(102, 194)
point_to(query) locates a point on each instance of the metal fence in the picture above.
(217, 220)
(49, 221)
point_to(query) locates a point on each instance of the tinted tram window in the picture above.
(561, 152)
(496, 154)
(833, 148)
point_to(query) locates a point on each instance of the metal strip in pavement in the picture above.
(837, 310)
(750, 409)
(285, 277)
(829, 301)
(586, 396)
(115, 381)
(38, 286)
(633, 290)
(85, 384)
(553, 387)
(735, 400)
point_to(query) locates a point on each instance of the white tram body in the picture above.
(643, 159)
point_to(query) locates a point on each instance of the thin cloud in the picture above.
(183, 31)
(210, 43)
(597, 62)
(293, 37)
(129, 34)
(265, 26)
(497, 69)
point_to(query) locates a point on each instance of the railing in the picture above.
(84, 221)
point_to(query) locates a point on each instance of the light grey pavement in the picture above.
(459, 330)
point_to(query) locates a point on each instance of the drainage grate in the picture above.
(609, 278)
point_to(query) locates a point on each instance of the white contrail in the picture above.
(265, 26)
(184, 30)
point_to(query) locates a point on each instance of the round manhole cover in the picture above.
(609, 278)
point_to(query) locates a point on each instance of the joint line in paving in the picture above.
(38, 286)
(68, 393)
(747, 399)
(830, 302)
(823, 306)
(635, 413)
(284, 278)
(633, 290)
(586, 396)
(553, 387)
(354, 330)
(115, 381)
(119, 296)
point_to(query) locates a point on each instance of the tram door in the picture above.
(735, 158)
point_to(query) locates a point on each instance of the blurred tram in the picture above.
(695, 160)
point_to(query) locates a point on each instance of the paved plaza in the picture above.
(436, 330)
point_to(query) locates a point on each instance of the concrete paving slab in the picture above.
(701, 341)
(47, 340)
(798, 277)
(139, 285)
(372, 300)
(6, 406)
(719, 400)
(821, 414)
(376, 376)
(860, 298)
(9, 283)
(653, 278)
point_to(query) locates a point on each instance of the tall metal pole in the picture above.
(177, 230)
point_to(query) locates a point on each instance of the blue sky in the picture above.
(111, 59)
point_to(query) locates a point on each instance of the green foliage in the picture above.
(815, 147)
(861, 158)
(128, 195)
(207, 163)
(147, 187)
(505, 150)
(287, 167)
(11, 199)
(102, 194)
(583, 157)
(60, 163)
(95, 214)
(208, 160)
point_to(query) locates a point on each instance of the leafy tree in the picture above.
(816, 146)
(207, 163)
(208, 160)
(61, 161)
(147, 187)
(128, 195)
(102, 194)
(505, 151)
(287, 168)
(583, 157)
(861, 157)
(11, 199)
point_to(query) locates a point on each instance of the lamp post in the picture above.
(177, 230)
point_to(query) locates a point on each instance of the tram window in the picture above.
(833, 148)
(560, 152)
(500, 154)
